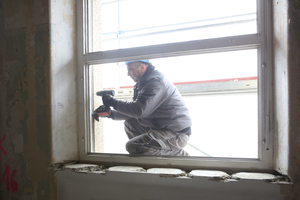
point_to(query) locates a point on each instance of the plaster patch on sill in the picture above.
(60, 165)
(167, 172)
(269, 178)
(127, 169)
(208, 173)
(218, 176)
(254, 176)
(87, 168)
(281, 180)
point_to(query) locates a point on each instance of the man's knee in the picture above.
(143, 144)
(130, 147)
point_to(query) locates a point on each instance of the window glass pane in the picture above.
(220, 90)
(224, 125)
(134, 23)
(192, 68)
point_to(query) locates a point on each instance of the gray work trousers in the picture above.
(147, 141)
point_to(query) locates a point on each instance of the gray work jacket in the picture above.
(156, 104)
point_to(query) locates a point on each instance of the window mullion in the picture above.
(182, 48)
(265, 83)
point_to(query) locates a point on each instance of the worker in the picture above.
(157, 121)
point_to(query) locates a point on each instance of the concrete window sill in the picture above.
(213, 175)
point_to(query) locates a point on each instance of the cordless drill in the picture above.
(103, 110)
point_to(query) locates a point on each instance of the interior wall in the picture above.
(25, 123)
(38, 98)
(294, 95)
(287, 92)
(63, 80)
(145, 186)
(38, 105)
(280, 44)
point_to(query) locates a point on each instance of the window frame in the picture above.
(262, 41)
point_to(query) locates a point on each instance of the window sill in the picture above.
(85, 181)
(211, 175)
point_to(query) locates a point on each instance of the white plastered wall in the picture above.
(64, 80)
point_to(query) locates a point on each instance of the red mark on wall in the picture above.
(1, 146)
(13, 184)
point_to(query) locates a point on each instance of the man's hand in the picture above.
(108, 100)
(102, 111)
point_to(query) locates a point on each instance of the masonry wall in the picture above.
(38, 112)
(38, 95)
(25, 110)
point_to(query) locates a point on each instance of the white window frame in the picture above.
(262, 41)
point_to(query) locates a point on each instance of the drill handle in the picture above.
(105, 92)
